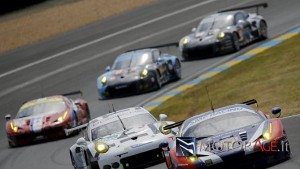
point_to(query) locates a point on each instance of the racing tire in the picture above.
(177, 70)
(12, 144)
(157, 81)
(235, 42)
(263, 30)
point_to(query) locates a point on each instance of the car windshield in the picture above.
(223, 123)
(43, 107)
(132, 59)
(115, 127)
(214, 22)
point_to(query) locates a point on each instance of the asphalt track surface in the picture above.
(73, 61)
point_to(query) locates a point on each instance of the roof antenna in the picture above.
(211, 104)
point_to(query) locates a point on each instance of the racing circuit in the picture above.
(74, 60)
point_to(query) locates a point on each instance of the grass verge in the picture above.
(272, 77)
(52, 18)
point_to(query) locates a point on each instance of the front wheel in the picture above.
(235, 42)
(177, 70)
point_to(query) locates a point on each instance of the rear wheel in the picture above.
(263, 30)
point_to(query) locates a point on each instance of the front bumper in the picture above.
(202, 49)
(126, 88)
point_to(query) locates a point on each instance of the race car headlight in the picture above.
(101, 147)
(14, 127)
(221, 35)
(104, 80)
(164, 131)
(63, 117)
(185, 40)
(193, 158)
(144, 73)
(267, 135)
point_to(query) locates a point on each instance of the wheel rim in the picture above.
(263, 30)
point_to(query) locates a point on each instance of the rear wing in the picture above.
(257, 6)
(72, 93)
(176, 44)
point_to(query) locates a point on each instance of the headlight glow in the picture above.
(144, 73)
(185, 40)
(63, 117)
(103, 80)
(14, 127)
(268, 134)
(101, 147)
(193, 158)
(221, 35)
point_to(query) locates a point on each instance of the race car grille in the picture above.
(243, 136)
(143, 160)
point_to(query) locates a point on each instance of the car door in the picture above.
(160, 63)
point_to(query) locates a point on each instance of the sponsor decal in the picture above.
(185, 146)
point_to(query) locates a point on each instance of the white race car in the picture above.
(128, 138)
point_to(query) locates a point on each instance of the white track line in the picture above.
(37, 79)
(105, 37)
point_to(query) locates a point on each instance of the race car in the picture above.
(138, 71)
(224, 32)
(47, 118)
(127, 138)
(228, 137)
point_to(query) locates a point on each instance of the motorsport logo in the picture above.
(189, 146)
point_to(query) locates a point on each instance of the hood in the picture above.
(226, 142)
(123, 75)
(132, 140)
(36, 123)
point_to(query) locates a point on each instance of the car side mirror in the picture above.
(241, 22)
(81, 141)
(107, 69)
(7, 117)
(163, 117)
(164, 145)
(276, 111)
(194, 30)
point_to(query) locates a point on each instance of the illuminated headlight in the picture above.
(268, 134)
(193, 158)
(103, 80)
(185, 40)
(162, 130)
(101, 147)
(63, 117)
(221, 35)
(144, 73)
(14, 127)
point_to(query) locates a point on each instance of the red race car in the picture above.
(47, 118)
(234, 136)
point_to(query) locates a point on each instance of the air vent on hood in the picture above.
(243, 135)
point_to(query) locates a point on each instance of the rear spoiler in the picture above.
(177, 124)
(176, 44)
(264, 5)
(250, 102)
(73, 93)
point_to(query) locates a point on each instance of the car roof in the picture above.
(107, 118)
(217, 112)
(56, 98)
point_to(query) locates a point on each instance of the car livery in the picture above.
(224, 32)
(228, 137)
(128, 138)
(46, 118)
(138, 71)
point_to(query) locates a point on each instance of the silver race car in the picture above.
(223, 32)
(128, 138)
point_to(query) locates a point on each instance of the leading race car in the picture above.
(228, 137)
(46, 118)
(127, 138)
(223, 32)
(138, 71)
